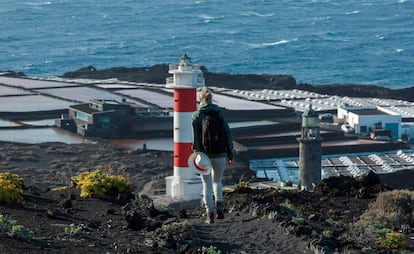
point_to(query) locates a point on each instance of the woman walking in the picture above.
(212, 136)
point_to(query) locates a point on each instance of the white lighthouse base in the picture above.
(183, 189)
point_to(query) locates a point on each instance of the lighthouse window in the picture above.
(312, 133)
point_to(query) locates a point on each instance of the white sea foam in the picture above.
(42, 3)
(258, 14)
(207, 17)
(270, 44)
(275, 43)
(38, 4)
(352, 12)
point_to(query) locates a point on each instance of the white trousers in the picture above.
(213, 183)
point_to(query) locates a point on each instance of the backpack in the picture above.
(213, 136)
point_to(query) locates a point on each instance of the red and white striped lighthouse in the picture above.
(186, 78)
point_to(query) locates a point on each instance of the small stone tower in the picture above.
(310, 151)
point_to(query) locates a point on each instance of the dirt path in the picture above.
(242, 233)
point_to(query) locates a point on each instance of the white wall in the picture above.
(343, 111)
(356, 121)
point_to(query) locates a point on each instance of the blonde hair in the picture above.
(205, 95)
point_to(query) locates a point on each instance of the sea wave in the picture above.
(352, 12)
(258, 14)
(270, 44)
(207, 17)
(37, 3)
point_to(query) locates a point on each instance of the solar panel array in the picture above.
(354, 165)
(300, 100)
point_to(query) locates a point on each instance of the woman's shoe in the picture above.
(220, 210)
(210, 218)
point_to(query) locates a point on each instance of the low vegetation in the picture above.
(13, 229)
(393, 209)
(388, 218)
(72, 229)
(97, 183)
(242, 186)
(11, 188)
(391, 240)
(210, 250)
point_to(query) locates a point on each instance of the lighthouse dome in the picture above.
(310, 112)
(310, 118)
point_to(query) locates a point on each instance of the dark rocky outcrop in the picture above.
(362, 187)
(353, 90)
(249, 81)
(13, 74)
(158, 73)
(142, 214)
(155, 74)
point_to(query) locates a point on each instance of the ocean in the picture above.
(315, 41)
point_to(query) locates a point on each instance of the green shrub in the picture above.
(178, 226)
(72, 229)
(20, 231)
(174, 233)
(333, 222)
(97, 183)
(210, 250)
(242, 186)
(367, 250)
(298, 220)
(288, 208)
(13, 229)
(327, 233)
(11, 188)
(392, 209)
(392, 240)
(279, 191)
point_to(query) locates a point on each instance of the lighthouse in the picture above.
(310, 150)
(187, 77)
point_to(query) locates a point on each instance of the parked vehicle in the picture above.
(327, 117)
(347, 128)
(382, 138)
(381, 134)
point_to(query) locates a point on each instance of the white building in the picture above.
(365, 119)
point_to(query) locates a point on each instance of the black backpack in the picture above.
(213, 136)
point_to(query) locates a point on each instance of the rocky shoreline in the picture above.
(158, 73)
